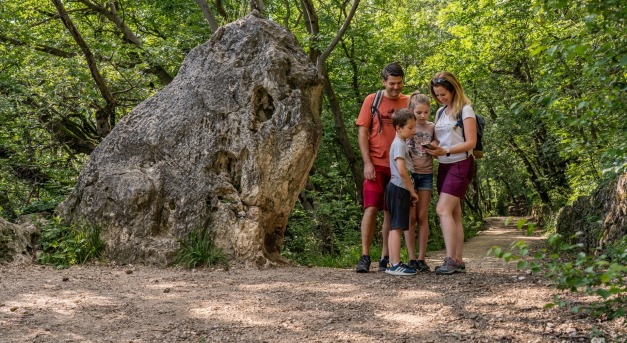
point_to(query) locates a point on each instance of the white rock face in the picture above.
(226, 146)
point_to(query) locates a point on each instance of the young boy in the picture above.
(400, 193)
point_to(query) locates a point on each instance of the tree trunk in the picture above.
(105, 116)
(533, 175)
(341, 137)
(311, 18)
(211, 19)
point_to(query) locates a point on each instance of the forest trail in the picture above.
(491, 303)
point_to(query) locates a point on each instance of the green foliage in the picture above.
(48, 99)
(602, 276)
(329, 236)
(64, 245)
(549, 75)
(199, 249)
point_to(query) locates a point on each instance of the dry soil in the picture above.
(492, 302)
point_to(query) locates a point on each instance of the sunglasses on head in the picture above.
(439, 81)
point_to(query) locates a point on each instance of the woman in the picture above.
(456, 164)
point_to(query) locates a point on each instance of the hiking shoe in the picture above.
(448, 267)
(461, 267)
(419, 266)
(363, 266)
(413, 264)
(422, 266)
(384, 263)
(400, 269)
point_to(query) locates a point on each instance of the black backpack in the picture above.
(478, 150)
(374, 109)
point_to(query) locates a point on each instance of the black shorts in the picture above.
(398, 202)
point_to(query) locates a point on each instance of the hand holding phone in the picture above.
(428, 146)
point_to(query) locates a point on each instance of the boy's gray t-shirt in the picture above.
(399, 149)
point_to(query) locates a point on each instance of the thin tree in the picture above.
(105, 116)
(206, 11)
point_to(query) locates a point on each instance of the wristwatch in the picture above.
(448, 152)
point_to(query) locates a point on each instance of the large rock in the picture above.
(601, 217)
(17, 242)
(226, 146)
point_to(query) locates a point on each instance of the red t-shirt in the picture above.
(380, 143)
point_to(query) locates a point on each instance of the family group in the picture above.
(398, 144)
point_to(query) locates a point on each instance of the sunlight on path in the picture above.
(495, 234)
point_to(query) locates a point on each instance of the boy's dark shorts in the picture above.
(398, 201)
(374, 191)
(454, 178)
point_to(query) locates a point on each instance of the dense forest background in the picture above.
(549, 76)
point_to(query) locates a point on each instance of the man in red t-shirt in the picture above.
(374, 143)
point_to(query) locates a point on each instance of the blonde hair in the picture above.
(450, 83)
(418, 98)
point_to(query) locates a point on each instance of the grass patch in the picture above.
(199, 249)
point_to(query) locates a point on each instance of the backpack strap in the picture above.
(374, 109)
(460, 123)
(439, 114)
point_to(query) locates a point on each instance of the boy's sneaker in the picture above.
(448, 267)
(401, 270)
(363, 266)
(384, 263)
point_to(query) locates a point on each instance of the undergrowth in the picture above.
(198, 249)
(601, 276)
(330, 235)
(66, 245)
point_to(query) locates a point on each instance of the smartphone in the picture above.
(428, 146)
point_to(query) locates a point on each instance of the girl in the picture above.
(422, 179)
(456, 167)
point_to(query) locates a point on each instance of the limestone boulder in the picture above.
(601, 217)
(17, 242)
(227, 146)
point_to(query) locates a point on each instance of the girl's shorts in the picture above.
(422, 182)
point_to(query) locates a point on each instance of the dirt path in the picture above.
(491, 303)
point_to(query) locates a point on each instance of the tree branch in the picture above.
(164, 77)
(211, 19)
(221, 11)
(112, 15)
(286, 20)
(105, 118)
(337, 38)
(43, 48)
(257, 5)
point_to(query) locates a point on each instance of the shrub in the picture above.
(602, 276)
(65, 245)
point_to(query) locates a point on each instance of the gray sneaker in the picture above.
(461, 267)
(448, 267)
